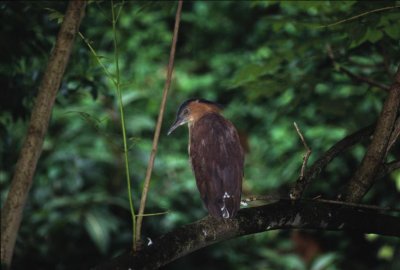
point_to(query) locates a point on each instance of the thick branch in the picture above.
(373, 159)
(319, 165)
(11, 213)
(394, 136)
(280, 215)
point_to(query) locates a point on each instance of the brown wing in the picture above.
(217, 161)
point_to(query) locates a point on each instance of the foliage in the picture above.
(266, 61)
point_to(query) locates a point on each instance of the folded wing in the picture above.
(217, 161)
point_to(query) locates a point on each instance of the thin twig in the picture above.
(317, 197)
(274, 198)
(320, 164)
(268, 198)
(368, 206)
(363, 79)
(394, 165)
(122, 115)
(154, 214)
(359, 15)
(306, 155)
(386, 61)
(351, 74)
(159, 122)
(387, 168)
(93, 51)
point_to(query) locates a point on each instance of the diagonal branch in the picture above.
(376, 152)
(11, 214)
(387, 168)
(159, 123)
(361, 15)
(394, 136)
(306, 155)
(274, 198)
(357, 77)
(352, 75)
(285, 214)
(319, 165)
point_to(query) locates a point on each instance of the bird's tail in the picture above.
(225, 208)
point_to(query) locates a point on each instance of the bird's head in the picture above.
(193, 109)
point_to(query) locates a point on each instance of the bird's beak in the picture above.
(178, 122)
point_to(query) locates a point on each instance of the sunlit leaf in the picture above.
(99, 226)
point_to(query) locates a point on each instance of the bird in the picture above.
(215, 154)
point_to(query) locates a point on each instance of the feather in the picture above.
(217, 161)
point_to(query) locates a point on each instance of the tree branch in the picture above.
(387, 168)
(320, 164)
(286, 214)
(11, 214)
(373, 159)
(394, 136)
(361, 15)
(274, 198)
(357, 77)
(352, 75)
(159, 123)
(306, 155)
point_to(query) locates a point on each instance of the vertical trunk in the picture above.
(11, 213)
(366, 174)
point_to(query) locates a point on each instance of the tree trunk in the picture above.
(366, 174)
(11, 213)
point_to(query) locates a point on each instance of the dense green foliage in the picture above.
(267, 62)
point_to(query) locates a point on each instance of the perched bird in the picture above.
(215, 154)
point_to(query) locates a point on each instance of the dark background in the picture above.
(266, 62)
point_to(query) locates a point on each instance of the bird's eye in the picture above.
(186, 111)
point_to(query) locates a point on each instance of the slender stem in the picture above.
(320, 164)
(352, 75)
(306, 155)
(154, 214)
(274, 198)
(121, 111)
(93, 51)
(159, 122)
(360, 15)
(117, 83)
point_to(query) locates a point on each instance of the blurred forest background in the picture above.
(270, 64)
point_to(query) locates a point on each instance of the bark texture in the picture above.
(366, 173)
(11, 213)
(285, 214)
(319, 165)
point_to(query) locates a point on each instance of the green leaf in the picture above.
(358, 35)
(374, 35)
(99, 225)
(55, 15)
(386, 252)
(393, 31)
(252, 72)
(325, 261)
